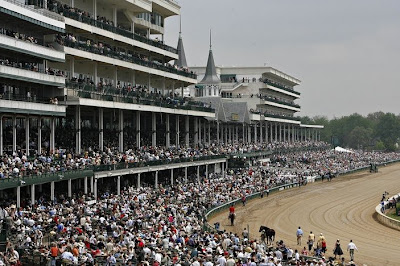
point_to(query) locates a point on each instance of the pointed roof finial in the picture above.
(180, 24)
(210, 39)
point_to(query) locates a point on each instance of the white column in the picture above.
(209, 133)
(32, 194)
(69, 188)
(280, 132)
(95, 9)
(266, 132)
(92, 184)
(284, 132)
(196, 131)
(167, 133)
(255, 133)
(1, 136)
(115, 16)
(52, 187)
(72, 66)
(121, 130)
(187, 131)
(39, 141)
(154, 129)
(249, 133)
(226, 134)
(52, 134)
(138, 129)
(18, 196)
(186, 174)
(156, 180)
(271, 138)
(172, 177)
(85, 186)
(101, 129)
(27, 135)
(95, 78)
(78, 129)
(276, 131)
(198, 174)
(223, 169)
(119, 185)
(261, 132)
(177, 131)
(218, 132)
(95, 188)
(244, 134)
(14, 132)
(138, 181)
(206, 170)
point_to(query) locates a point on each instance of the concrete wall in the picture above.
(384, 219)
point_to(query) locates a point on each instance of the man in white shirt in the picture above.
(351, 247)
(221, 260)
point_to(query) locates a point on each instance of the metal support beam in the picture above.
(119, 185)
(154, 129)
(138, 129)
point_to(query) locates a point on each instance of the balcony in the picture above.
(290, 105)
(148, 24)
(280, 86)
(37, 50)
(166, 7)
(123, 95)
(101, 25)
(22, 104)
(125, 56)
(258, 116)
(17, 71)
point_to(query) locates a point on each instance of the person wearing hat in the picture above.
(231, 261)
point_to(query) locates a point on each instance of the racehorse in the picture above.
(267, 233)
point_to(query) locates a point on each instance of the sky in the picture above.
(346, 53)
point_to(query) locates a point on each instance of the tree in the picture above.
(387, 130)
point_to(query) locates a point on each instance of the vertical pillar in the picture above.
(255, 133)
(18, 196)
(167, 132)
(249, 133)
(217, 132)
(92, 184)
(39, 141)
(199, 131)
(138, 129)
(119, 185)
(276, 132)
(206, 170)
(172, 177)
(1, 136)
(14, 132)
(196, 131)
(138, 181)
(261, 132)
(52, 134)
(27, 135)
(115, 16)
(237, 134)
(95, 9)
(121, 130)
(72, 66)
(85, 186)
(95, 188)
(198, 174)
(225, 133)
(177, 130)
(186, 174)
(69, 188)
(154, 129)
(266, 132)
(271, 138)
(293, 134)
(32, 194)
(223, 169)
(280, 132)
(101, 129)
(156, 180)
(229, 133)
(209, 133)
(244, 139)
(284, 132)
(78, 129)
(52, 187)
(187, 131)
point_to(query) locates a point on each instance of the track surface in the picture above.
(341, 209)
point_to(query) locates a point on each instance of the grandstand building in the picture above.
(253, 104)
(95, 75)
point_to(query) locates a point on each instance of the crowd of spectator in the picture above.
(19, 36)
(36, 67)
(144, 226)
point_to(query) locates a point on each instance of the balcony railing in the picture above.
(280, 116)
(26, 98)
(280, 102)
(109, 93)
(111, 28)
(126, 57)
(280, 86)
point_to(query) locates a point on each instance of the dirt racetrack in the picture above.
(341, 209)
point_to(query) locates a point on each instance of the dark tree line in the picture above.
(376, 131)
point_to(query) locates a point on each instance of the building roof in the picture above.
(210, 76)
(181, 61)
